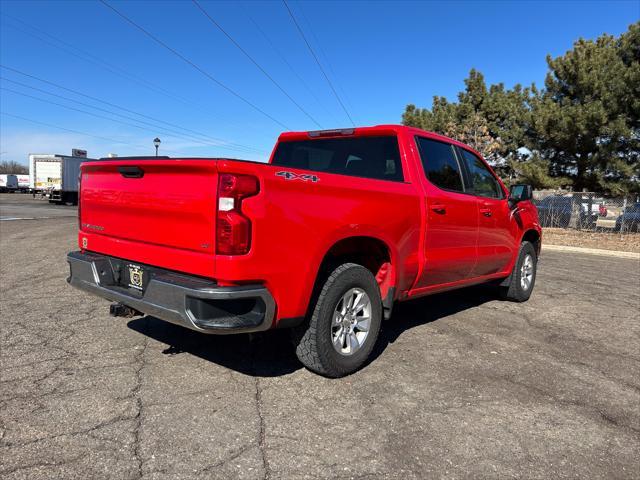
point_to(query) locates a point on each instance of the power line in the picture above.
(159, 129)
(189, 62)
(246, 54)
(214, 139)
(315, 57)
(112, 140)
(114, 69)
(325, 56)
(218, 142)
(97, 61)
(98, 116)
(286, 62)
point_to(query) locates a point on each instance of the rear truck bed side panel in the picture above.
(296, 222)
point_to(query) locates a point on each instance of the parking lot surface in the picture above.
(461, 386)
(20, 206)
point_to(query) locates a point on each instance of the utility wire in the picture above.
(324, 55)
(315, 57)
(112, 140)
(189, 62)
(167, 133)
(214, 139)
(285, 61)
(114, 69)
(87, 57)
(246, 54)
(160, 129)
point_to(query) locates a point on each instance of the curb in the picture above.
(591, 251)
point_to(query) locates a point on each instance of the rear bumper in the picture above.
(185, 300)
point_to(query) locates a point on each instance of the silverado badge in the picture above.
(135, 277)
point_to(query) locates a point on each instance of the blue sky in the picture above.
(379, 55)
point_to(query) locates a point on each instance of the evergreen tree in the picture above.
(582, 130)
(586, 122)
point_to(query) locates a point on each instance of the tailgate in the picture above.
(151, 206)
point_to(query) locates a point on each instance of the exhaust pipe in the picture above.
(120, 310)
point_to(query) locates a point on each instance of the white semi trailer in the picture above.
(23, 182)
(55, 177)
(8, 182)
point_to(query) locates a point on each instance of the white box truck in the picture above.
(8, 182)
(55, 177)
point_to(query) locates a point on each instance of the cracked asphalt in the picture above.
(461, 386)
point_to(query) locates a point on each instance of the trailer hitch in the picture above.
(120, 310)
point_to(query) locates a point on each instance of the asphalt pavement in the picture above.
(461, 385)
(22, 206)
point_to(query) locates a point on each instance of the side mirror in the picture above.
(519, 193)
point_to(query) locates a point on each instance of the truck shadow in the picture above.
(414, 313)
(271, 354)
(268, 354)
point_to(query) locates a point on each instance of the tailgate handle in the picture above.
(131, 172)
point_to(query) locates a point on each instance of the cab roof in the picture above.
(389, 129)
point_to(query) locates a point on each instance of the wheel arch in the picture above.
(535, 237)
(372, 253)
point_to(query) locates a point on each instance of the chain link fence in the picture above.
(588, 211)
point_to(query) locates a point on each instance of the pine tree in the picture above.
(582, 130)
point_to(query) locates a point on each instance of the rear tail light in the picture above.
(233, 228)
(79, 204)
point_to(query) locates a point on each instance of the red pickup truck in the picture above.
(323, 239)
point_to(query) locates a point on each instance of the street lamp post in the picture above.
(156, 143)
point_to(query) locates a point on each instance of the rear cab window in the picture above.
(366, 157)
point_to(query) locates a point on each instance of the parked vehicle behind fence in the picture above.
(561, 210)
(629, 220)
(324, 239)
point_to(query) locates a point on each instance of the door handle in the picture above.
(486, 212)
(438, 208)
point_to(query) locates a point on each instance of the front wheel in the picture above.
(523, 277)
(342, 330)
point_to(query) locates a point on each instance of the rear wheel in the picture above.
(523, 277)
(343, 327)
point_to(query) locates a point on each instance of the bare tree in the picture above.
(9, 166)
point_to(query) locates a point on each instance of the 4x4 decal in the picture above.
(295, 176)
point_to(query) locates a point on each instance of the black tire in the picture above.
(513, 290)
(312, 340)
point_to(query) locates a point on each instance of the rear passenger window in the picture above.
(440, 164)
(483, 183)
(368, 157)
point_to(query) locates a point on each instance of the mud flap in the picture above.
(387, 303)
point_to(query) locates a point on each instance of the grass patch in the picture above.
(628, 242)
